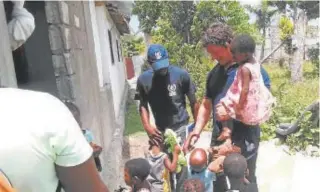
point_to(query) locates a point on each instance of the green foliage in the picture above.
(313, 54)
(286, 28)
(171, 140)
(264, 14)
(286, 32)
(230, 12)
(132, 45)
(148, 13)
(307, 135)
(291, 101)
(133, 122)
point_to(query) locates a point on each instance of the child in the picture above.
(192, 185)
(248, 99)
(88, 135)
(199, 168)
(136, 172)
(235, 169)
(161, 165)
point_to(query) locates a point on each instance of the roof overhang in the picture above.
(120, 12)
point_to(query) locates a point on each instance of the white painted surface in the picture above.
(137, 64)
(113, 74)
(117, 70)
(96, 39)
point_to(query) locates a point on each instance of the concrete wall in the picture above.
(138, 61)
(78, 60)
(113, 74)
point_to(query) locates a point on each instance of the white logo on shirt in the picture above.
(158, 55)
(172, 90)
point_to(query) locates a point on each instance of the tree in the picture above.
(182, 18)
(264, 14)
(132, 45)
(298, 11)
(229, 12)
(148, 13)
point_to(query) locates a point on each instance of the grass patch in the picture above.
(291, 100)
(133, 122)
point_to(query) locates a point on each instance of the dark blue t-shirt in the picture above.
(166, 96)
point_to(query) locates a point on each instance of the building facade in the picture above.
(75, 53)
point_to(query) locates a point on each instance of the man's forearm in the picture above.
(194, 105)
(195, 109)
(203, 115)
(144, 115)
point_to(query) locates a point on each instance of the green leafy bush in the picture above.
(313, 54)
(291, 101)
(172, 140)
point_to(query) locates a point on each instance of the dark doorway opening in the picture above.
(33, 60)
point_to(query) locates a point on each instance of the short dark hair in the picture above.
(217, 34)
(192, 185)
(138, 167)
(243, 43)
(235, 166)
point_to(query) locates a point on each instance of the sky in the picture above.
(134, 22)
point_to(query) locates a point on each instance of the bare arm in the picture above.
(194, 105)
(144, 115)
(216, 166)
(171, 166)
(81, 178)
(246, 76)
(203, 115)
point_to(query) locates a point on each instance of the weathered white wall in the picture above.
(96, 39)
(137, 64)
(113, 73)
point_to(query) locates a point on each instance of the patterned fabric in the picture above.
(159, 176)
(258, 107)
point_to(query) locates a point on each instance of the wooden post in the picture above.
(7, 73)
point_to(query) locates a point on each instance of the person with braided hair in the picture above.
(136, 172)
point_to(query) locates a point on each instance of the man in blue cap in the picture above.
(164, 87)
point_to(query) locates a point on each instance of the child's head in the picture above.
(198, 160)
(136, 171)
(152, 145)
(74, 110)
(242, 48)
(235, 166)
(193, 185)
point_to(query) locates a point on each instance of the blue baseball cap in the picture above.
(158, 57)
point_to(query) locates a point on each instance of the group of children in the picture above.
(248, 101)
(143, 175)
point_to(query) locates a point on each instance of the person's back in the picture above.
(235, 168)
(38, 137)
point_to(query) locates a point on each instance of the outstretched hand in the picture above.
(190, 142)
(154, 135)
